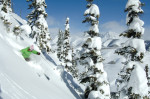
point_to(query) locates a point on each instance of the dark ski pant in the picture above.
(27, 59)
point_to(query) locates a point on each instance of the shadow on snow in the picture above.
(0, 92)
(49, 58)
(68, 79)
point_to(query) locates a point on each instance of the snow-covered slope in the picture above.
(41, 78)
(113, 64)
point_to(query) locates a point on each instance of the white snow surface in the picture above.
(5, 15)
(95, 28)
(20, 79)
(17, 19)
(67, 27)
(138, 44)
(137, 25)
(138, 81)
(96, 95)
(39, 1)
(94, 42)
(42, 21)
(41, 78)
(93, 10)
(135, 5)
(26, 29)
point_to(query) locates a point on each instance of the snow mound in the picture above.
(113, 43)
(138, 80)
(137, 25)
(94, 28)
(138, 44)
(135, 3)
(94, 42)
(93, 10)
(26, 29)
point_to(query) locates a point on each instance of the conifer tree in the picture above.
(132, 81)
(60, 45)
(147, 75)
(17, 30)
(66, 45)
(37, 21)
(74, 64)
(90, 65)
(73, 69)
(5, 8)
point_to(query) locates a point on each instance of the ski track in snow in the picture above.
(14, 90)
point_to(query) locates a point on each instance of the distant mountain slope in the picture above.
(147, 43)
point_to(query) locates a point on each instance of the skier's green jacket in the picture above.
(27, 52)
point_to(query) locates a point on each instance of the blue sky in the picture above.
(112, 14)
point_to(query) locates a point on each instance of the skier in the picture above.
(28, 51)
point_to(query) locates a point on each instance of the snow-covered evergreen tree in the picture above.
(73, 69)
(90, 65)
(17, 30)
(37, 21)
(147, 75)
(6, 5)
(132, 81)
(5, 10)
(66, 45)
(60, 45)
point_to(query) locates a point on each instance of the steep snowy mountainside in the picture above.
(113, 43)
(112, 65)
(76, 41)
(109, 35)
(111, 39)
(40, 78)
(17, 20)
